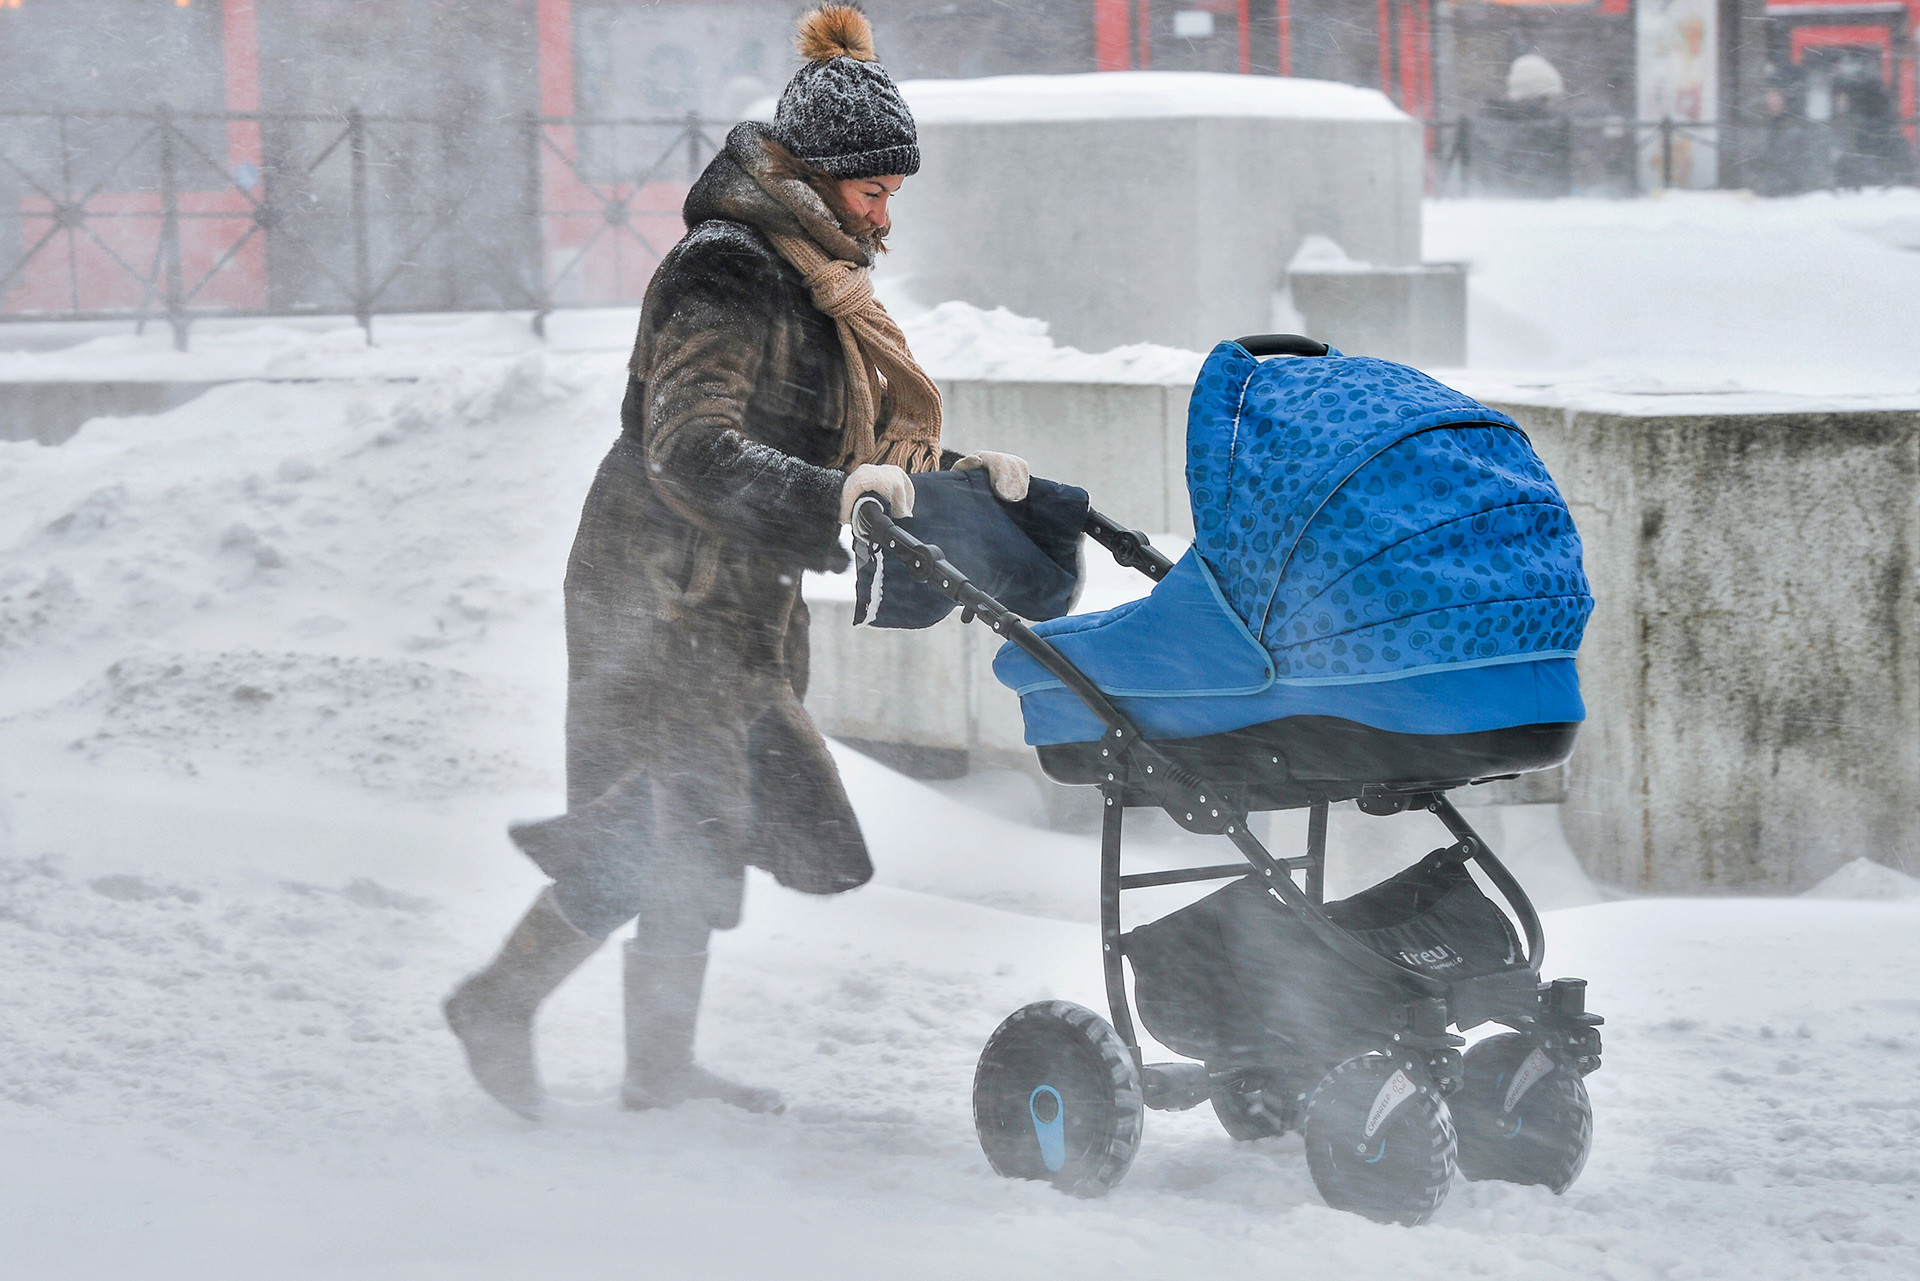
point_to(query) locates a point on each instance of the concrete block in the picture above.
(1415, 315)
(1753, 697)
(1170, 222)
(882, 686)
(1124, 443)
(51, 412)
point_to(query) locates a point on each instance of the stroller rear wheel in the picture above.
(1057, 1097)
(1523, 1115)
(1380, 1140)
(1254, 1103)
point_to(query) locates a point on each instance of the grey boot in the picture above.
(492, 1011)
(663, 1005)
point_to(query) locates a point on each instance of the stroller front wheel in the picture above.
(1057, 1098)
(1380, 1140)
(1523, 1115)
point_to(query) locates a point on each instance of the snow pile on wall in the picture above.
(1708, 293)
(405, 347)
(256, 578)
(1110, 95)
(1867, 880)
(957, 340)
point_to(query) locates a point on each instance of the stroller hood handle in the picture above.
(1131, 548)
(1282, 345)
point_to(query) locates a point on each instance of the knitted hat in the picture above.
(841, 112)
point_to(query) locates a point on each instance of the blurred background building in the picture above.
(1710, 61)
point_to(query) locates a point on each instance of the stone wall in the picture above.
(1752, 671)
(1124, 443)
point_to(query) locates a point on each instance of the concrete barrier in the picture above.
(1752, 670)
(1414, 315)
(1124, 443)
(1751, 675)
(1152, 206)
(51, 412)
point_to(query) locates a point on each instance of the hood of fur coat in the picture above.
(757, 181)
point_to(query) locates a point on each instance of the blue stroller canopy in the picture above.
(1363, 519)
(1369, 544)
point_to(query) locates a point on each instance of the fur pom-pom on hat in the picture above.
(835, 31)
(841, 112)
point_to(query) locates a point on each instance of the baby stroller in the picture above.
(1381, 604)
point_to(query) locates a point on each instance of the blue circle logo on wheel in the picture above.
(1049, 1126)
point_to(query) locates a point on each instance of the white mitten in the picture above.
(882, 480)
(1007, 473)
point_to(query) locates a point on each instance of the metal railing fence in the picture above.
(176, 216)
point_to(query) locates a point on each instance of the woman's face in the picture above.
(866, 199)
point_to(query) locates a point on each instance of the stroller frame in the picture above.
(1140, 773)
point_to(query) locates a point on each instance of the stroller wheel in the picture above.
(1379, 1140)
(1254, 1103)
(1057, 1097)
(1522, 1118)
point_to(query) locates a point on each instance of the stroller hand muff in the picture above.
(1381, 605)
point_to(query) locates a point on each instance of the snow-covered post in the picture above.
(362, 268)
(533, 209)
(170, 225)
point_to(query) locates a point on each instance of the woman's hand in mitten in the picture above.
(883, 481)
(1007, 473)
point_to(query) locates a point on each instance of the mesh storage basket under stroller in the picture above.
(1236, 978)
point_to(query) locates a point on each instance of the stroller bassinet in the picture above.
(1384, 588)
(1382, 603)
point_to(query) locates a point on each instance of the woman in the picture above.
(767, 391)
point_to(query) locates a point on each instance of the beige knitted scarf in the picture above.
(893, 408)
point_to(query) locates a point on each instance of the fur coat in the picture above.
(689, 755)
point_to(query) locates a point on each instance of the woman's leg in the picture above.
(492, 1011)
(803, 830)
(597, 859)
(666, 967)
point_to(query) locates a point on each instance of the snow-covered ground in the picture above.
(276, 667)
(1691, 298)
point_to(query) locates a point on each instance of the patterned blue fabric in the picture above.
(1371, 545)
(1362, 519)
